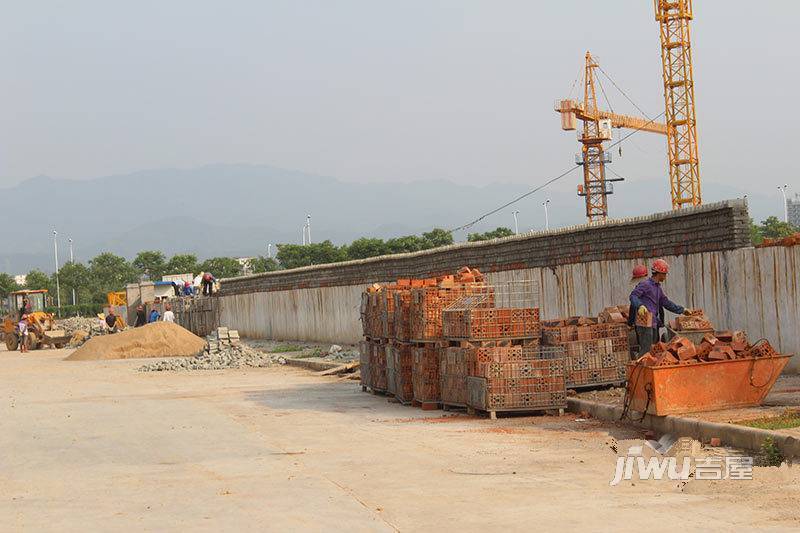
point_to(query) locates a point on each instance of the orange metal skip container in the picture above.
(705, 386)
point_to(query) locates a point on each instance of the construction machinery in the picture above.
(597, 128)
(673, 17)
(40, 324)
(680, 128)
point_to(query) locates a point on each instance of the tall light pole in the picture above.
(308, 224)
(546, 217)
(55, 256)
(785, 207)
(304, 234)
(269, 251)
(72, 261)
(516, 222)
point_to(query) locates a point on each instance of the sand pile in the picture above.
(224, 350)
(159, 339)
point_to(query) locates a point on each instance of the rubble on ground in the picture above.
(89, 325)
(223, 350)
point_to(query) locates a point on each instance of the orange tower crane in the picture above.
(597, 127)
(673, 17)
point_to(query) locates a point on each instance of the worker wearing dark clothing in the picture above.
(141, 317)
(650, 301)
(111, 321)
(208, 283)
(177, 286)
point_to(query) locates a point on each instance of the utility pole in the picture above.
(308, 224)
(304, 234)
(72, 261)
(55, 256)
(516, 222)
(546, 218)
(269, 251)
(785, 205)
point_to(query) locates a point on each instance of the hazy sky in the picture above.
(377, 90)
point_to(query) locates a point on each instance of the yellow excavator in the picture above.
(40, 323)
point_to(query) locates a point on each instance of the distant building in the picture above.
(793, 209)
(20, 279)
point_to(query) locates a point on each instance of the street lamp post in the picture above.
(72, 261)
(546, 217)
(269, 251)
(785, 207)
(55, 256)
(516, 222)
(304, 234)
(308, 224)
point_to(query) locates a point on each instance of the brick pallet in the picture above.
(491, 323)
(377, 366)
(425, 375)
(516, 378)
(402, 315)
(401, 362)
(427, 304)
(595, 354)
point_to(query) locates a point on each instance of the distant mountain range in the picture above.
(236, 210)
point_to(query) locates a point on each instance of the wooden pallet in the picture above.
(553, 411)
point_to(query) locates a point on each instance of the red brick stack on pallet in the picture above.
(494, 362)
(595, 353)
(374, 349)
(426, 307)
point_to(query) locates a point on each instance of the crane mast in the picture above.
(594, 170)
(673, 17)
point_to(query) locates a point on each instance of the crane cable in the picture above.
(548, 182)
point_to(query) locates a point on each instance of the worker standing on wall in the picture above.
(208, 283)
(649, 300)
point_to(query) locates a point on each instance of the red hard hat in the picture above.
(661, 266)
(639, 271)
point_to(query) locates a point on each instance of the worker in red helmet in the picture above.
(649, 300)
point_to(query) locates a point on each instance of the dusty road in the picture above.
(98, 446)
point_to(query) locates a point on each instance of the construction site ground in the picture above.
(785, 395)
(96, 445)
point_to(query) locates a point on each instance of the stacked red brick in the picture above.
(426, 329)
(494, 361)
(595, 353)
(720, 346)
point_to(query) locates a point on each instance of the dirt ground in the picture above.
(95, 445)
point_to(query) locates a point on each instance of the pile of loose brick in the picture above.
(425, 348)
(720, 346)
(596, 353)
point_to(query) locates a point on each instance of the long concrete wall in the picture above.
(580, 270)
(752, 289)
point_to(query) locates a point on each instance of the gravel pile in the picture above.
(90, 325)
(338, 354)
(224, 350)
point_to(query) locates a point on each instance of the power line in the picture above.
(623, 92)
(550, 181)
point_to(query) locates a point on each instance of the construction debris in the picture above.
(724, 345)
(223, 350)
(90, 325)
(159, 339)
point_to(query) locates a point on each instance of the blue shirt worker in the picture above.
(154, 316)
(649, 300)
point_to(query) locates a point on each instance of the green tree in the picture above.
(78, 277)
(437, 237)
(37, 280)
(152, 263)
(494, 234)
(320, 253)
(264, 264)
(755, 233)
(110, 272)
(772, 228)
(182, 264)
(7, 284)
(405, 244)
(365, 247)
(222, 267)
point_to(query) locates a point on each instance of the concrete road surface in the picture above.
(95, 445)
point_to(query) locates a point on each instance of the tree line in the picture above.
(109, 272)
